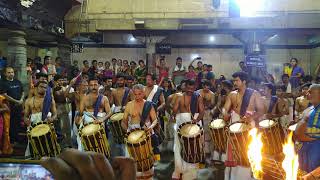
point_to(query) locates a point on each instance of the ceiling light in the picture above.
(249, 8)
(212, 38)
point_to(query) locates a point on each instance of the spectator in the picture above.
(179, 71)
(243, 67)
(307, 79)
(141, 73)
(161, 65)
(209, 74)
(37, 64)
(13, 91)
(191, 74)
(297, 73)
(48, 68)
(125, 67)
(129, 81)
(119, 65)
(59, 67)
(168, 87)
(93, 70)
(114, 66)
(74, 70)
(133, 66)
(3, 62)
(269, 78)
(100, 67)
(107, 72)
(86, 66)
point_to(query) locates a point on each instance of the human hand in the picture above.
(72, 164)
(50, 119)
(78, 120)
(27, 122)
(195, 120)
(147, 130)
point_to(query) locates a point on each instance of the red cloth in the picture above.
(1, 130)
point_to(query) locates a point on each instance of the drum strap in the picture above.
(125, 96)
(46, 106)
(245, 101)
(273, 102)
(156, 97)
(194, 102)
(145, 112)
(97, 105)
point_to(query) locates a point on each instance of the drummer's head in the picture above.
(138, 91)
(190, 86)
(42, 87)
(314, 93)
(150, 79)
(108, 82)
(305, 88)
(83, 86)
(269, 89)
(206, 84)
(93, 85)
(120, 79)
(240, 79)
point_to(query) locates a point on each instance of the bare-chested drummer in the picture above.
(121, 95)
(94, 107)
(271, 102)
(208, 101)
(108, 89)
(154, 93)
(243, 104)
(188, 107)
(302, 102)
(140, 113)
(81, 90)
(40, 107)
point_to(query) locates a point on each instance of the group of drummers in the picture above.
(134, 120)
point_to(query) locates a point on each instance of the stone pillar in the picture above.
(17, 54)
(151, 52)
(64, 51)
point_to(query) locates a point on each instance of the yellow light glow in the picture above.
(255, 153)
(290, 164)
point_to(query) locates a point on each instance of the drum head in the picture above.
(117, 117)
(293, 127)
(90, 129)
(217, 124)
(189, 130)
(40, 130)
(239, 127)
(266, 123)
(137, 136)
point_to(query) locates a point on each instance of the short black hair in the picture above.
(107, 78)
(227, 83)
(93, 61)
(85, 61)
(306, 85)
(141, 61)
(84, 74)
(113, 59)
(284, 75)
(282, 87)
(241, 62)
(42, 82)
(242, 75)
(190, 82)
(133, 62)
(94, 79)
(46, 57)
(206, 82)
(294, 59)
(179, 58)
(100, 62)
(129, 78)
(270, 86)
(121, 75)
(40, 74)
(153, 76)
(57, 77)
(179, 87)
(209, 66)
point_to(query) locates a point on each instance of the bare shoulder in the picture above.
(233, 93)
(256, 94)
(130, 104)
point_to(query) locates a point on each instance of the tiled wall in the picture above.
(224, 61)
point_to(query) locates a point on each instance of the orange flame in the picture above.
(290, 164)
(255, 153)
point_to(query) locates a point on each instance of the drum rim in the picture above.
(80, 130)
(191, 136)
(38, 123)
(143, 142)
(228, 127)
(111, 120)
(211, 127)
(273, 125)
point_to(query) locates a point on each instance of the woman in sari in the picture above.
(5, 146)
(141, 73)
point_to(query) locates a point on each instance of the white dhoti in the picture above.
(238, 172)
(207, 118)
(169, 132)
(34, 118)
(116, 109)
(182, 167)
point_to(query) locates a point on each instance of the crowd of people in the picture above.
(72, 97)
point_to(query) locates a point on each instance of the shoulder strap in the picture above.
(145, 112)
(97, 105)
(273, 102)
(125, 96)
(194, 102)
(46, 106)
(245, 101)
(156, 97)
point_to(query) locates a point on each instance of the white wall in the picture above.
(224, 61)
